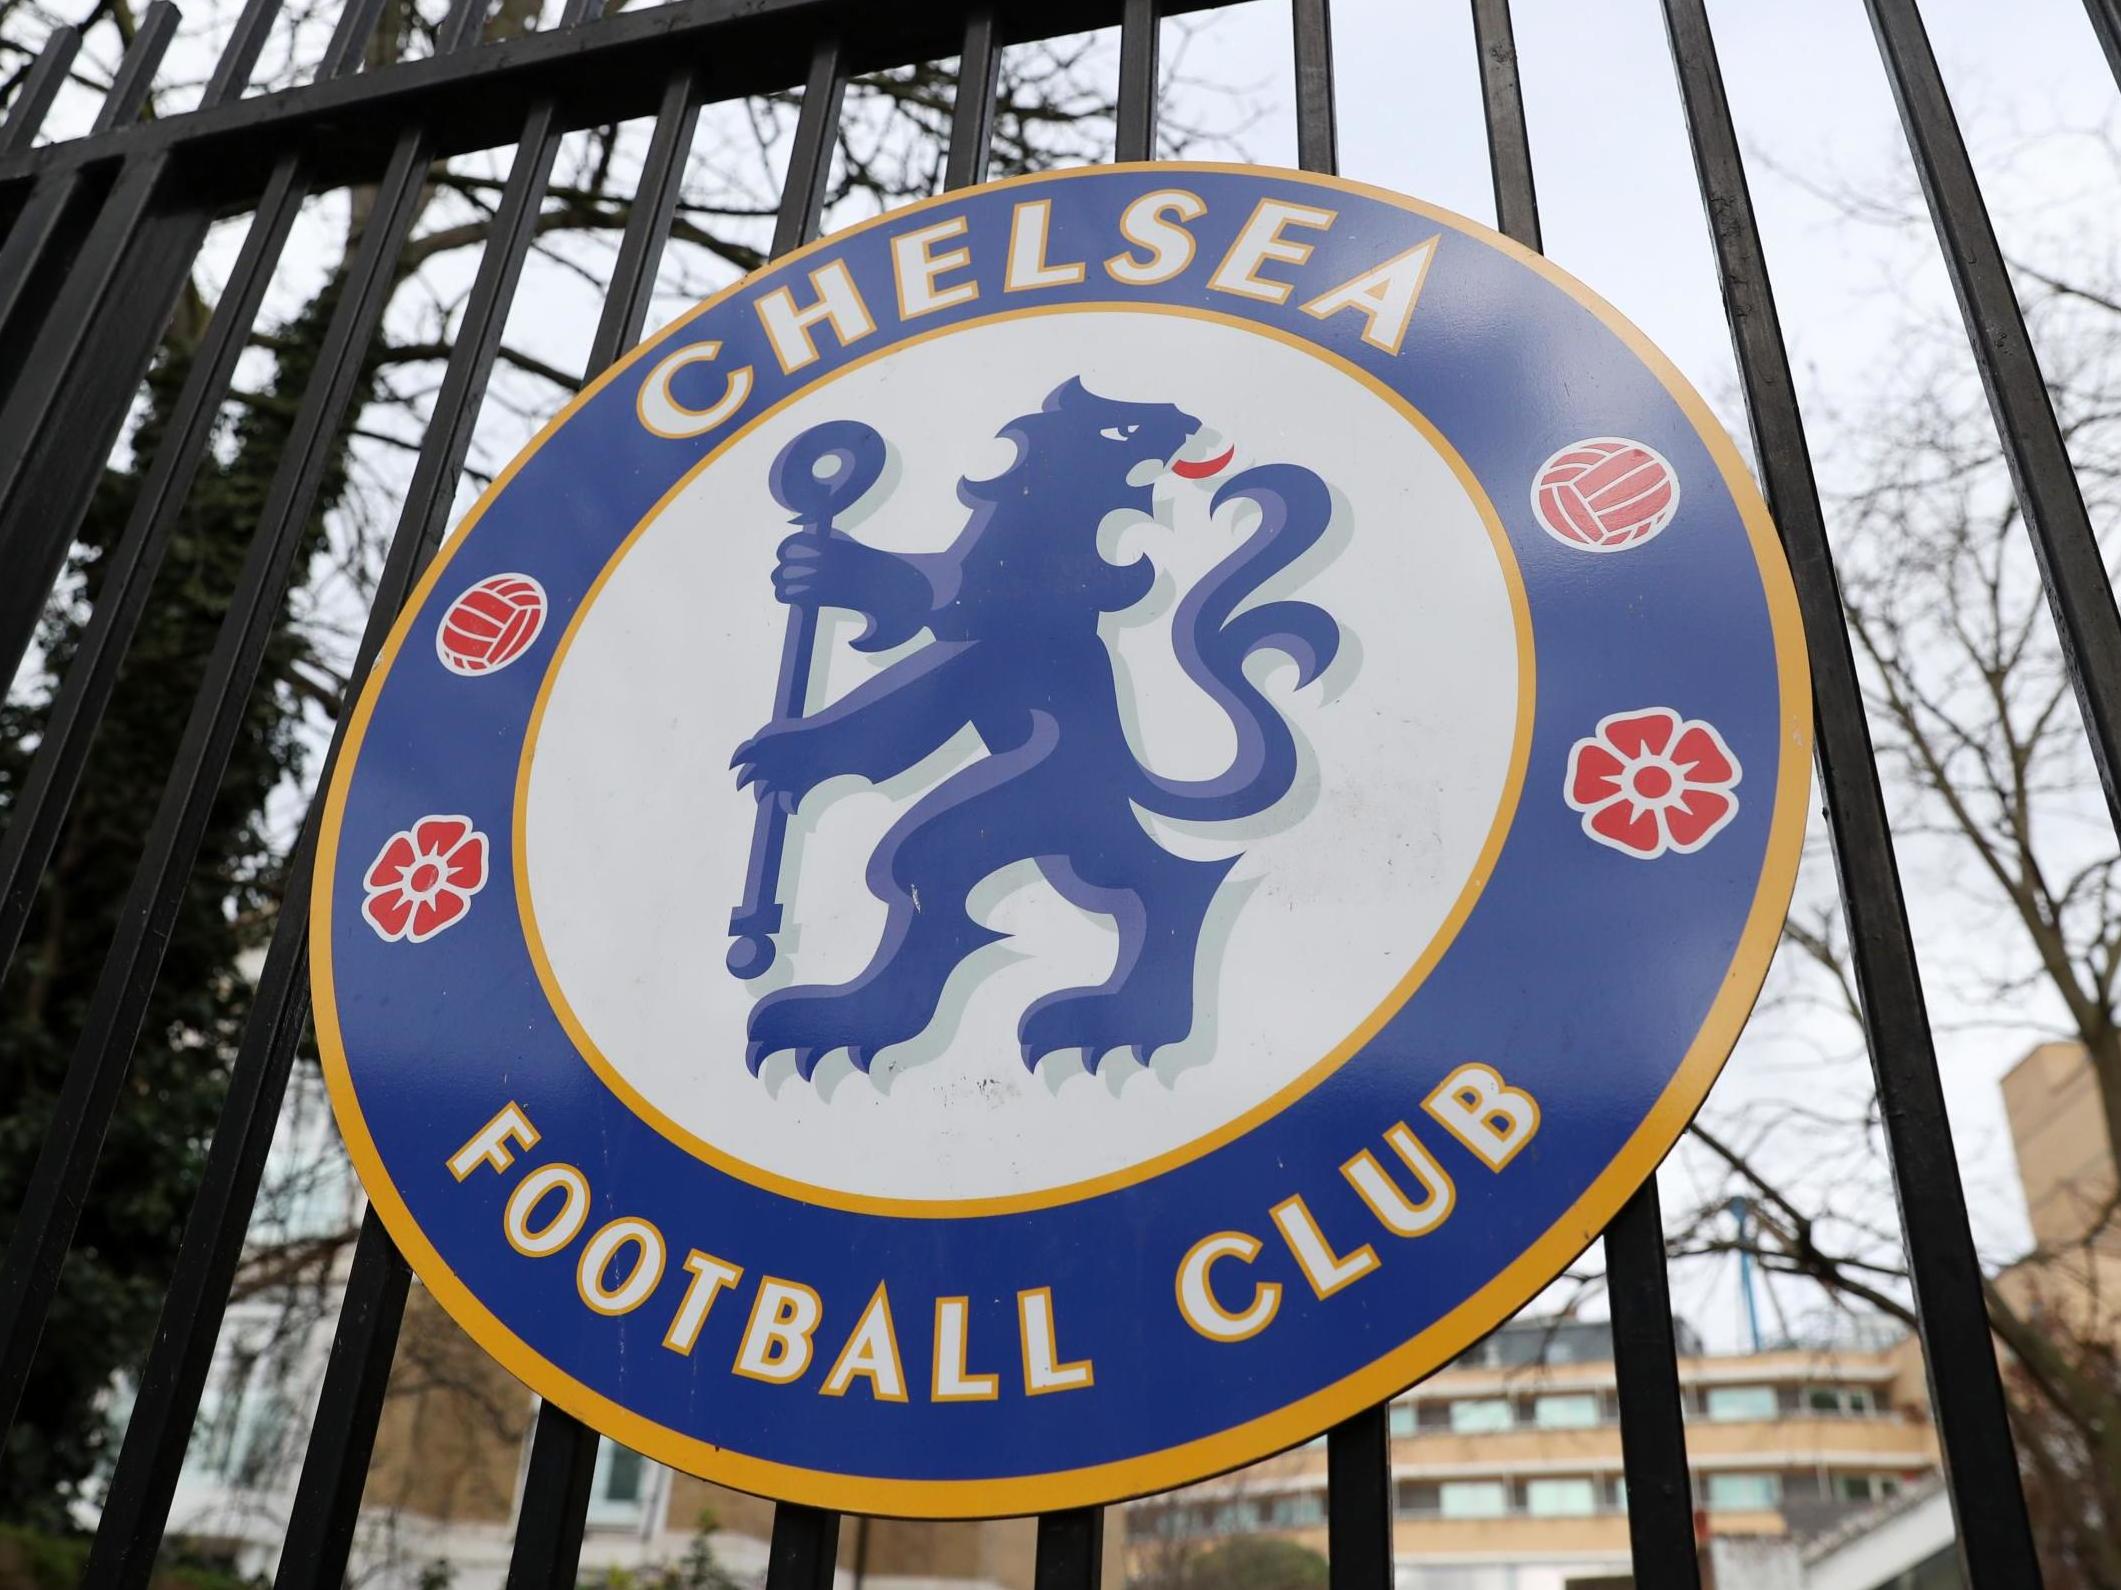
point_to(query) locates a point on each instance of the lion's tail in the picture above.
(1212, 647)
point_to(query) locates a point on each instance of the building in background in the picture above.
(2058, 1130)
(2069, 1285)
(1506, 1466)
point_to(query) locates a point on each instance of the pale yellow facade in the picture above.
(1517, 1469)
(2066, 1164)
(2065, 1160)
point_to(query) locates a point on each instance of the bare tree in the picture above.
(2011, 859)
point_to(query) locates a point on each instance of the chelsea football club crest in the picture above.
(1061, 840)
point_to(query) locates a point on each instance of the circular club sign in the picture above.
(1061, 840)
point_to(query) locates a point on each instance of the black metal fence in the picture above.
(101, 235)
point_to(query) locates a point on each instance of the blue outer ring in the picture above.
(1584, 975)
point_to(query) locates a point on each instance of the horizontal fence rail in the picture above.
(104, 231)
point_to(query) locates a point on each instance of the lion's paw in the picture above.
(785, 761)
(811, 1022)
(1097, 1021)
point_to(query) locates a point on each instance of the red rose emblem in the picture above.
(1650, 781)
(423, 878)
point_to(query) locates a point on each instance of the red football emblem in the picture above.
(491, 625)
(1605, 493)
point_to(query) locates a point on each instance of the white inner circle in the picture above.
(637, 836)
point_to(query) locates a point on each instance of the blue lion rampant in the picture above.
(1013, 609)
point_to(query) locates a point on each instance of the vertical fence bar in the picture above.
(2078, 590)
(979, 65)
(66, 1162)
(2106, 22)
(246, 42)
(1509, 146)
(37, 243)
(1138, 38)
(136, 70)
(1071, 1550)
(136, 1508)
(40, 86)
(554, 1510)
(1645, 1348)
(1966, 1395)
(655, 199)
(810, 158)
(327, 1505)
(1652, 1422)
(1358, 1450)
(33, 232)
(1317, 124)
(806, 1539)
(1646, 1372)
(1359, 1501)
(804, 1549)
(375, 1298)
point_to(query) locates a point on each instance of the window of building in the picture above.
(1561, 1498)
(1475, 1416)
(1743, 1492)
(1576, 1410)
(1741, 1402)
(1866, 1487)
(1402, 1418)
(1236, 1518)
(1417, 1497)
(618, 1490)
(1474, 1498)
(1303, 1510)
(247, 1418)
(1840, 1399)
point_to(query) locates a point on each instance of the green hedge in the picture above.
(30, 1559)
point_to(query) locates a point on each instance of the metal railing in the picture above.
(102, 233)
